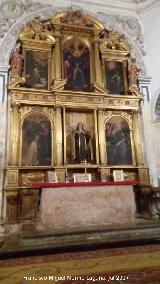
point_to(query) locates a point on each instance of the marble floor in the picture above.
(32, 237)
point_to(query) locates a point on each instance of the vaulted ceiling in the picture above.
(134, 4)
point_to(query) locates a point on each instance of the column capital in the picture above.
(15, 106)
(100, 111)
(136, 112)
(58, 108)
(4, 68)
(144, 80)
(97, 40)
(57, 35)
(144, 85)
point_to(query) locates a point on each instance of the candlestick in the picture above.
(66, 173)
(66, 170)
(85, 167)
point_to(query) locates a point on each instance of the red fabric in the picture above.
(96, 183)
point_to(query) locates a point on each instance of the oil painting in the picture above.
(118, 141)
(115, 83)
(36, 140)
(36, 73)
(76, 65)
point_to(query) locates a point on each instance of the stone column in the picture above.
(3, 139)
(2, 229)
(101, 134)
(146, 118)
(151, 147)
(96, 135)
(137, 139)
(14, 132)
(59, 142)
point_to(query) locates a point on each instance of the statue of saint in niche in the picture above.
(81, 145)
(133, 72)
(16, 62)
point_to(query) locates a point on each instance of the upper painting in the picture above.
(36, 69)
(116, 82)
(76, 65)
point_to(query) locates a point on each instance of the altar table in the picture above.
(67, 205)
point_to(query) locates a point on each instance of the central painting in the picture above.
(80, 137)
(76, 63)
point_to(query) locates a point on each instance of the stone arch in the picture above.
(10, 38)
(156, 98)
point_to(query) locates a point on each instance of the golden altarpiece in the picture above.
(74, 105)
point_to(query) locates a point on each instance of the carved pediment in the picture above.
(36, 31)
(76, 18)
(115, 41)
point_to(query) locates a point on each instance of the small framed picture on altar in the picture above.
(52, 176)
(118, 175)
(82, 178)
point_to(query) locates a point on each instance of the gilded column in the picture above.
(58, 56)
(98, 71)
(3, 138)
(133, 147)
(96, 135)
(64, 135)
(101, 134)
(59, 142)
(137, 139)
(15, 131)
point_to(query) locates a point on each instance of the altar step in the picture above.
(32, 241)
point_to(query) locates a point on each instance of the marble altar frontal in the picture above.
(86, 206)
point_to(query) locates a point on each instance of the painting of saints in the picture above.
(118, 142)
(36, 141)
(36, 74)
(114, 77)
(76, 65)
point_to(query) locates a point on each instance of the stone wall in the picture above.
(151, 27)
